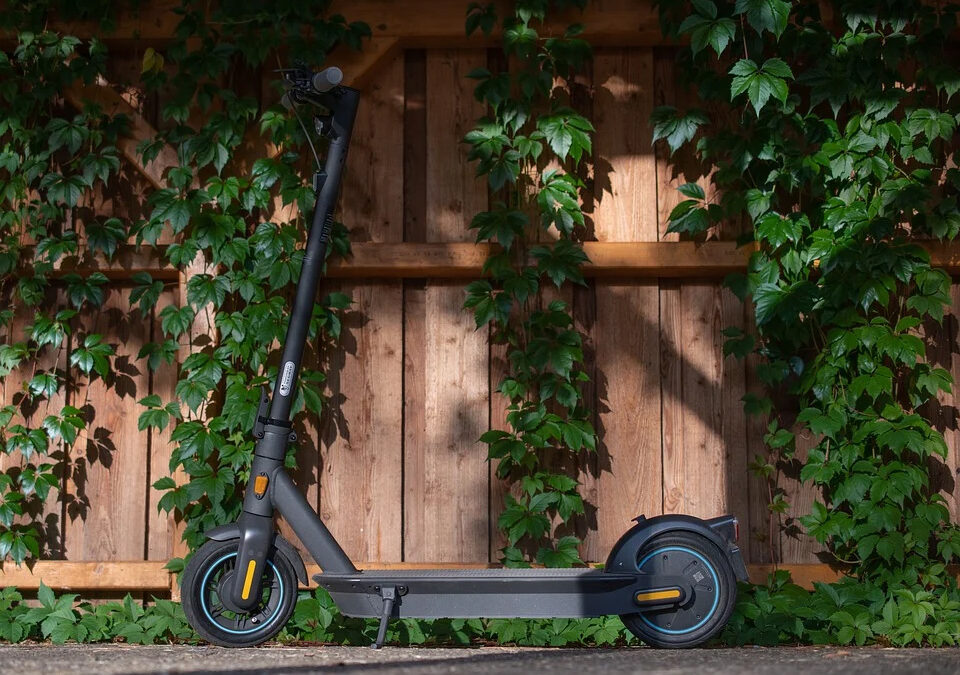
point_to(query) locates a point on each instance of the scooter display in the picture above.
(672, 578)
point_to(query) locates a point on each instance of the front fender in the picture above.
(721, 531)
(232, 531)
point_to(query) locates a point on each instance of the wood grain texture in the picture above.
(624, 164)
(445, 476)
(106, 495)
(795, 545)
(361, 444)
(704, 455)
(628, 391)
(163, 531)
(360, 484)
(760, 540)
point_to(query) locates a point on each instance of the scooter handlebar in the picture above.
(326, 79)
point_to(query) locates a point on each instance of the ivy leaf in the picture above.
(709, 32)
(105, 236)
(175, 321)
(675, 127)
(765, 15)
(760, 82)
(62, 189)
(169, 207)
(567, 133)
(500, 225)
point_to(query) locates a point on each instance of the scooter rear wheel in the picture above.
(205, 579)
(706, 612)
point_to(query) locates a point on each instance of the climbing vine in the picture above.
(833, 130)
(218, 215)
(529, 148)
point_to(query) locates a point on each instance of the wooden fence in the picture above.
(394, 467)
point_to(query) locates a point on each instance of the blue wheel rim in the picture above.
(206, 610)
(716, 586)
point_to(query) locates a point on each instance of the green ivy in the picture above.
(835, 137)
(531, 124)
(217, 212)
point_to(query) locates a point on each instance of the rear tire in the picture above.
(208, 572)
(702, 616)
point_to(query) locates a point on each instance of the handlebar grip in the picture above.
(326, 79)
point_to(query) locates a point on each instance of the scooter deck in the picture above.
(494, 593)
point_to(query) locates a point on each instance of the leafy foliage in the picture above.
(846, 613)
(835, 137)
(531, 123)
(215, 216)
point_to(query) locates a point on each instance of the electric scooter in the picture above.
(671, 578)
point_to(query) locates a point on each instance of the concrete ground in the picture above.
(138, 660)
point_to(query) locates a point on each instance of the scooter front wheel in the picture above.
(701, 616)
(207, 576)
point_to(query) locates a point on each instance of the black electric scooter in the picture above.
(672, 578)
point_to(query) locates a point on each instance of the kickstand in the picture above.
(389, 595)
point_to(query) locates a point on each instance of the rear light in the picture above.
(736, 530)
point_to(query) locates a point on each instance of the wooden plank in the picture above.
(361, 440)
(795, 545)
(704, 461)
(106, 496)
(104, 575)
(362, 67)
(151, 576)
(626, 336)
(415, 146)
(458, 260)
(163, 532)
(624, 163)
(462, 260)
(760, 540)
(361, 487)
(423, 23)
(446, 482)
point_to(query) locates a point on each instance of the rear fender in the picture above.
(232, 531)
(721, 531)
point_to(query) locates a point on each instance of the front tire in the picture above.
(210, 570)
(702, 616)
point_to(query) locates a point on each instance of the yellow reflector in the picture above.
(658, 595)
(248, 582)
(260, 485)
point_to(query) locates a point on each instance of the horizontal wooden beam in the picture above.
(64, 575)
(459, 260)
(418, 23)
(607, 259)
(151, 575)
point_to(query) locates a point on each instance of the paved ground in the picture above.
(135, 660)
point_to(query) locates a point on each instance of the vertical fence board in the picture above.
(360, 491)
(106, 506)
(704, 467)
(625, 166)
(628, 418)
(446, 482)
(163, 532)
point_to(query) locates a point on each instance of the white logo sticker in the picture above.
(287, 379)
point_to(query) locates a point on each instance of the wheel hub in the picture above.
(703, 583)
